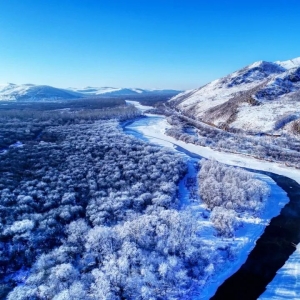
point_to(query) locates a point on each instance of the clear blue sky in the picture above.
(179, 44)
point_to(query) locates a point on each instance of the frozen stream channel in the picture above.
(259, 253)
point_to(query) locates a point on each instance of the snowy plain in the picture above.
(153, 127)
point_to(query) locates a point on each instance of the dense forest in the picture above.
(88, 212)
(229, 191)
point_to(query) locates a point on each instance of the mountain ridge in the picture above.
(121, 91)
(252, 98)
(32, 92)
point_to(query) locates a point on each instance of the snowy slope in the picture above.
(253, 98)
(106, 90)
(31, 92)
(289, 64)
(112, 91)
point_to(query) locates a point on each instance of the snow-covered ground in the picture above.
(112, 91)
(289, 64)
(286, 284)
(244, 240)
(263, 117)
(142, 108)
(153, 128)
(257, 96)
(212, 94)
(32, 92)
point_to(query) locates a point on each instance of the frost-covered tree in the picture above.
(94, 215)
(228, 191)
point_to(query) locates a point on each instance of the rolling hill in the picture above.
(32, 92)
(262, 97)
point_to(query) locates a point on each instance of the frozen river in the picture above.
(254, 264)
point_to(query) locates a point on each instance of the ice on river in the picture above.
(139, 106)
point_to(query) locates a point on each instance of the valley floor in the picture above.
(153, 129)
(89, 212)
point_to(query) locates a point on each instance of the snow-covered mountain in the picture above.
(111, 91)
(254, 98)
(289, 64)
(31, 92)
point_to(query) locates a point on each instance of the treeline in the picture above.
(28, 124)
(81, 103)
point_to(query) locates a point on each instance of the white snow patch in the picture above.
(263, 117)
(289, 64)
(138, 105)
(16, 145)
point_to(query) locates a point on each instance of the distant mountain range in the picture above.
(122, 91)
(254, 98)
(31, 92)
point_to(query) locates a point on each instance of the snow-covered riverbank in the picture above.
(153, 129)
(286, 284)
